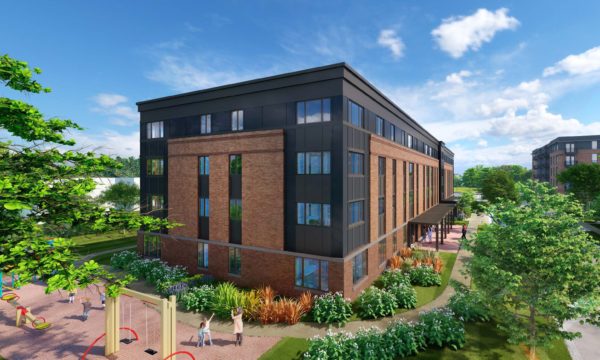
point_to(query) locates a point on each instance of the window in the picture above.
(356, 163)
(595, 145)
(570, 148)
(313, 111)
(409, 142)
(235, 261)
(312, 274)
(202, 256)
(152, 245)
(569, 160)
(379, 125)
(155, 130)
(355, 212)
(381, 199)
(411, 190)
(235, 209)
(204, 207)
(313, 214)
(392, 132)
(359, 266)
(205, 124)
(314, 162)
(382, 247)
(595, 158)
(204, 165)
(237, 120)
(355, 114)
(394, 198)
(156, 202)
(235, 164)
(155, 166)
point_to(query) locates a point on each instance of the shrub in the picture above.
(251, 304)
(441, 328)
(374, 303)
(332, 346)
(370, 343)
(423, 275)
(403, 340)
(392, 278)
(331, 308)
(198, 299)
(121, 259)
(395, 262)
(406, 253)
(306, 301)
(405, 295)
(468, 304)
(227, 297)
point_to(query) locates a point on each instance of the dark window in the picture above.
(235, 209)
(312, 274)
(152, 245)
(205, 124)
(235, 164)
(235, 261)
(356, 212)
(204, 165)
(155, 130)
(411, 191)
(237, 120)
(381, 199)
(359, 266)
(313, 214)
(156, 202)
(155, 166)
(202, 256)
(355, 114)
(314, 163)
(313, 111)
(356, 163)
(379, 126)
(392, 132)
(382, 247)
(204, 207)
(394, 214)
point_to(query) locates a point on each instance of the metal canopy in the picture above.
(434, 215)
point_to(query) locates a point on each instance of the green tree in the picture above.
(121, 195)
(472, 177)
(465, 202)
(44, 187)
(517, 172)
(126, 167)
(535, 265)
(583, 180)
(457, 180)
(498, 184)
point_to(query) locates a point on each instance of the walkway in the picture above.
(307, 330)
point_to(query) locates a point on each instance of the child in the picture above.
(72, 297)
(87, 306)
(206, 331)
(103, 299)
(201, 334)
(238, 326)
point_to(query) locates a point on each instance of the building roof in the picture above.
(568, 138)
(434, 215)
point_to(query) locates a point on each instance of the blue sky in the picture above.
(493, 79)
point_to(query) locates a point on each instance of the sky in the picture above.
(492, 79)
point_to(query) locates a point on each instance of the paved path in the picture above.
(586, 347)
(307, 330)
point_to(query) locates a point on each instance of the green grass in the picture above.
(461, 222)
(286, 348)
(461, 189)
(103, 259)
(428, 294)
(87, 244)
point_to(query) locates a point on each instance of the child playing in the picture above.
(238, 326)
(87, 306)
(201, 334)
(206, 331)
(103, 299)
(72, 297)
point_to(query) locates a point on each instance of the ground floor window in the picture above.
(202, 256)
(152, 245)
(359, 266)
(312, 273)
(156, 202)
(235, 261)
(382, 251)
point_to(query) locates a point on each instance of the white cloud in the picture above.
(457, 77)
(389, 39)
(109, 142)
(482, 143)
(531, 86)
(457, 35)
(115, 105)
(579, 64)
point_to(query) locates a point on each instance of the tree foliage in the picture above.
(475, 176)
(498, 184)
(465, 203)
(583, 180)
(126, 167)
(44, 187)
(121, 195)
(535, 265)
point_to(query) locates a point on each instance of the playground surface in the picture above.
(69, 337)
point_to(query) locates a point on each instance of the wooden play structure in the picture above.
(23, 314)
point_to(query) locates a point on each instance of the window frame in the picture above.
(150, 130)
(236, 260)
(364, 266)
(204, 207)
(156, 245)
(151, 198)
(237, 121)
(205, 124)
(233, 204)
(361, 164)
(360, 210)
(379, 126)
(204, 252)
(361, 114)
(150, 166)
(303, 210)
(322, 113)
(236, 158)
(203, 165)
(322, 277)
(306, 169)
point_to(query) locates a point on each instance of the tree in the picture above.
(122, 196)
(498, 184)
(457, 180)
(44, 187)
(126, 167)
(517, 172)
(465, 202)
(473, 177)
(583, 181)
(536, 265)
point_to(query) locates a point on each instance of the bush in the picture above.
(370, 343)
(403, 340)
(468, 304)
(392, 278)
(198, 299)
(332, 346)
(332, 308)
(227, 297)
(121, 259)
(424, 275)
(441, 328)
(405, 295)
(374, 303)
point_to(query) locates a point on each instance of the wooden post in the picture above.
(112, 325)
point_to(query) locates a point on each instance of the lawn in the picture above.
(462, 189)
(87, 244)
(103, 259)
(428, 294)
(286, 348)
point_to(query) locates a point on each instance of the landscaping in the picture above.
(92, 243)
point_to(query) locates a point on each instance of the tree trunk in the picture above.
(532, 333)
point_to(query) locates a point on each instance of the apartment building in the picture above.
(305, 180)
(549, 160)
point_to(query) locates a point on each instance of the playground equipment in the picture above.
(23, 314)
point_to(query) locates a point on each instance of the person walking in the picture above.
(464, 232)
(430, 233)
(103, 299)
(72, 294)
(238, 326)
(87, 306)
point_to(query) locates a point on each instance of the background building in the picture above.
(306, 180)
(549, 160)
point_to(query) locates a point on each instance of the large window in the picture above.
(392, 132)
(312, 274)
(235, 261)
(314, 162)
(204, 165)
(152, 245)
(569, 160)
(411, 190)
(595, 158)
(202, 256)
(595, 145)
(379, 126)
(235, 164)
(409, 141)
(356, 212)
(355, 114)
(237, 120)
(313, 111)
(235, 209)
(359, 267)
(356, 163)
(394, 213)
(155, 130)
(570, 148)
(155, 202)
(381, 198)
(382, 248)
(205, 124)
(314, 214)
(155, 166)
(204, 207)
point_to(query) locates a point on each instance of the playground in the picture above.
(66, 336)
